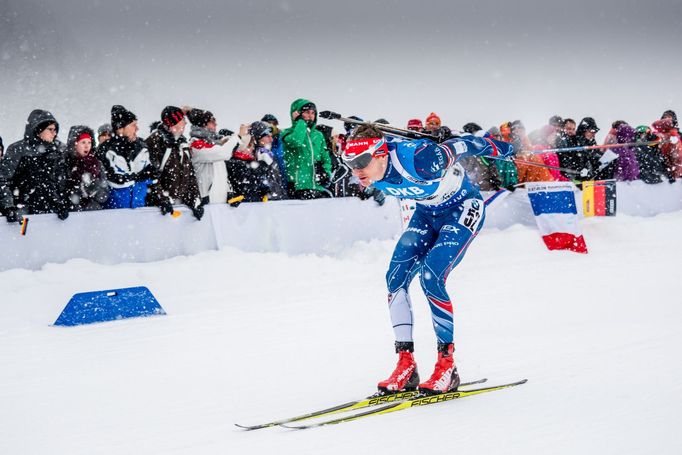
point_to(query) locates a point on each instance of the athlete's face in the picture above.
(374, 171)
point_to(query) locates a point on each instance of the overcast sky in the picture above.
(482, 61)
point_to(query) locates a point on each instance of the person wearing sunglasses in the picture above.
(33, 172)
(449, 214)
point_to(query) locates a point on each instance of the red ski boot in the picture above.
(445, 377)
(405, 376)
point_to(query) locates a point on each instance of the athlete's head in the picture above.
(366, 153)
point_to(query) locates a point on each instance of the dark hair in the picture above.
(269, 118)
(672, 114)
(618, 123)
(349, 127)
(569, 120)
(365, 132)
(556, 120)
(471, 128)
(155, 125)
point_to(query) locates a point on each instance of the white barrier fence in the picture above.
(294, 227)
(143, 235)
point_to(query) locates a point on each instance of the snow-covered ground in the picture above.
(252, 337)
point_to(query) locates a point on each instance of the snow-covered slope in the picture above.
(250, 337)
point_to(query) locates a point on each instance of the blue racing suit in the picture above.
(449, 214)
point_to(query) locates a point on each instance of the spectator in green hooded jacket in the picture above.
(305, 154)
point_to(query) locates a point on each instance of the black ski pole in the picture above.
(392, 130)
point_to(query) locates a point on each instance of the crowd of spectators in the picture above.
(115, 168)
(564, 150)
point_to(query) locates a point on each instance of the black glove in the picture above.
(148, 173)
(11, 214)
(329, 115)
(442, 134)
(225, 132)
(166, 208)
(321, 176)
(511, 188)
(198, 212)
(62, 213)
(234, 200)
(379, 197)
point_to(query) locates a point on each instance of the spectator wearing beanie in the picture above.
(305, 153)
(32, 172)
(125, 157)
(432, 122)
(415, 125)
(86, 184)
(104, 133)
(671, 145)
(567, 136)
(210, 151)
(261, 132)
(169, 152)
(603, 165)
(582, 162)
(277, 148)
(673, 118)
(649, 157)
(254, 170)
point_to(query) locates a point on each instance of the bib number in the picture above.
(472, 210)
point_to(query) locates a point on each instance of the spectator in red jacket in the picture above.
(671, 147)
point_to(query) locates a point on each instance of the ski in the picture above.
(420, 400)
(373, 400)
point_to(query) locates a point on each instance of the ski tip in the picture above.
(249, 427)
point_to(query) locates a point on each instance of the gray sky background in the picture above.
(486, 61)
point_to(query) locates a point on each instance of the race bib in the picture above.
(472, 211)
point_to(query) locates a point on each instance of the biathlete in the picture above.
(449, 213)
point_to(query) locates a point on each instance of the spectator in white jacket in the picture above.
(210, 149)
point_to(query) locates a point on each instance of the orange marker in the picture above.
(24, 225)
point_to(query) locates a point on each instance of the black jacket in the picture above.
(33, 172)
(650, 160)
(177, 180)
(583, 161)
